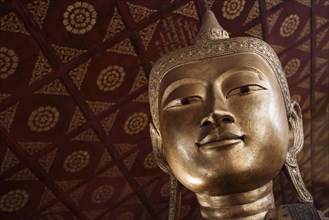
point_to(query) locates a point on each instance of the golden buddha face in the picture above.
(223, 124)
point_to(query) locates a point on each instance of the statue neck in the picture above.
(251, 205)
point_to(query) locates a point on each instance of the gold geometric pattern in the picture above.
(53, 88)
(116, 25)
(104, 160)
(8, 62)
(10, 160)
(67, 185)
(149, 161)
(147, 33)
(256, 31)
(38, 9)
(139, 12)
(33, 147)
(77, 120)
(78, 74)
(7, 117)
(43, 118)
(124, 148)
(271, 3)
(13, 200)
(232, 8)
(11, 23)
(102, 194)
(23, 175)
(129, 161)
(88, 135)
(99, 107)
(47, 160)
(4, 96)
(143, 98)
(110, 78)
(124, 47)
(136, 123)
(210, 3)
(188, 10)
(271, 20)
(107, 122)
(79, 18)
(289, 25)
(67, 53)
(47, 196)
(76, 161)
(291, 67)
(140, 81)
(253, 14)
(41, 68)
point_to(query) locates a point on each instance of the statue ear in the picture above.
(296, 133)
(291, 168)
(157, 149)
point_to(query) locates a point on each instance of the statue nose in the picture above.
(217, 119)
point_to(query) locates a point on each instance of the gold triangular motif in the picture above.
(4, 96)
(93, 214)
(67, 185)
(11, 23)
(124, 148)
(46, 198)
(41, 68)
(139, 12)
(116, 25)
(147, 33)
(306, 30)
(188, 10)
(111, 172)
(77, 194)
(23, 175)
(140, 81)
(143, 98)
(320, 36)
(10, 160)
(39, 9)
(126, 191)
(305, 71)
(47, 160)
(149, 189)
(58, 207)
(104, 160)
(67, 53)
(305, 2)
(107, 122)
(306, 46)
(78, 74)
(271, 3)
(7, 117)
(124, 47)
(320, 61)
(88, 135)
(129, 161)
(33, 147)
(143, 180)
(253, 13)
(320, 21)
(99, 107)
(53, 88)
(271, 20)
(256, 31)
(326, 46)
(77, 120)
(277, 48)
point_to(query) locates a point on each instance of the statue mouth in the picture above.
(220, 138)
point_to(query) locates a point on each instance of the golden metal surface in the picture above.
(224, 124)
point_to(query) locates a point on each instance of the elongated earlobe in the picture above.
(175, 192)
(291, 168)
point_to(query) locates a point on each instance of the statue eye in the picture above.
(244, 90)
(184, 101)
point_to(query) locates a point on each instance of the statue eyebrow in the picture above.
(244, 68)
(179, 83)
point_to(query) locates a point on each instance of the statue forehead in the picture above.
(217, 66)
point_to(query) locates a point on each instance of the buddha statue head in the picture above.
(223, 120)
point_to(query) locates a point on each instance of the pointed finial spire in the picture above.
(210, 29)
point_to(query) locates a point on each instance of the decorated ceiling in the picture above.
(74, 112)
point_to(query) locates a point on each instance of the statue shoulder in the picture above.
(298, 211)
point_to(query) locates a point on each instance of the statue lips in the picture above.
(220, 137)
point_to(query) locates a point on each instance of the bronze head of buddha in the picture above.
(224, 124)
